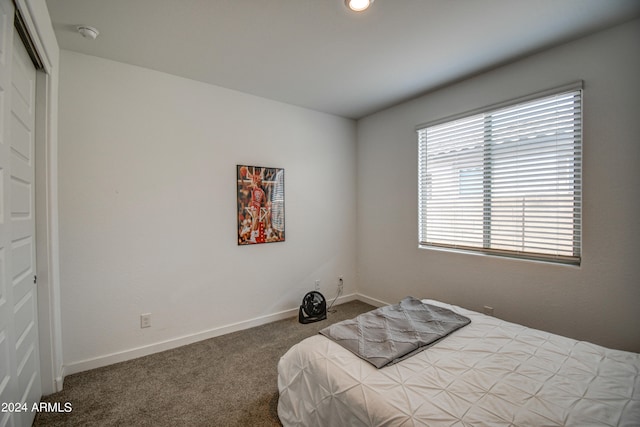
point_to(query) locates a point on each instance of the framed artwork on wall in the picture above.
(260, 204)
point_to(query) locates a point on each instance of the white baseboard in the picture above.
(60, 381)
(372, 301)
(110, 359)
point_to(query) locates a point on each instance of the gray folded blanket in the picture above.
(393, 333)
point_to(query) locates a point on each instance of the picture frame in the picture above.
(260, 204)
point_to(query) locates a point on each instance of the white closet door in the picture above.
(19, 354)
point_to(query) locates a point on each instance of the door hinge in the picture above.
(35, 280)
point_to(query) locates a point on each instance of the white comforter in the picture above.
(489, 373)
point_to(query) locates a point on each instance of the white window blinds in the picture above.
(506, 181)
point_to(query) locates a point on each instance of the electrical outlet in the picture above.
(340, 283)
(318, 285)
(145, 320)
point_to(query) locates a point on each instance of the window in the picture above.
(506, 180)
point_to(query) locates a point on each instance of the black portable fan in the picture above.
(313, 308)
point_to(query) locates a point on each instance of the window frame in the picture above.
(577, 192)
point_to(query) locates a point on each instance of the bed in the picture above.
(488, 373)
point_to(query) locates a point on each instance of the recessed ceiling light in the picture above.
(358, 5)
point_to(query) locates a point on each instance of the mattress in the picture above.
(489, 373)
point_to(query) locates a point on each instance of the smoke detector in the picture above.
(88, 32)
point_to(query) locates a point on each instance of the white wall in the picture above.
(147, 167)
(599, 301)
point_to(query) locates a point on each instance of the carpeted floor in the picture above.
(229, 380)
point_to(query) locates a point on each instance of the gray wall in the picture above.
(598, 301)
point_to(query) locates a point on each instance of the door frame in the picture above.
(37, 22)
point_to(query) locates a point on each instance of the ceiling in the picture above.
(319, 55)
